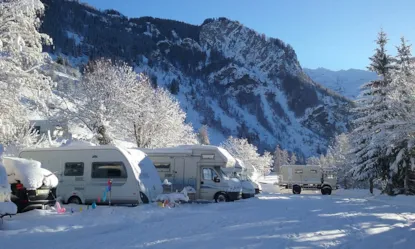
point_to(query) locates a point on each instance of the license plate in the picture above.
(42, 191)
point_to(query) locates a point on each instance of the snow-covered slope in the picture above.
(311, 221)
(224, 74)
(344, 82)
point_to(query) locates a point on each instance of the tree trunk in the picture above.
(103, 137)
(137, 139)
(371, 185)
(406, 180)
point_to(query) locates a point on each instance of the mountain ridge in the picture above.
(224, 74)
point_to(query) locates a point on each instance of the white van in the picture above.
(240, 172)
(200, 167)
(84, 171)
(300, 177)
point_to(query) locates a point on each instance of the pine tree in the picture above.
(285, 159)
(372, 110)
(203, 135)
(277, 159)
(293, 159)
(399, 131)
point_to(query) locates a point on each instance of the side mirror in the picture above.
(216, 179)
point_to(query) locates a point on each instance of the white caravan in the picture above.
(308, 177)
(84, 171)
(198, 166)
(240, 172)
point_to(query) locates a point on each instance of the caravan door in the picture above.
(178, 178)
(72, 181)
(208, 187)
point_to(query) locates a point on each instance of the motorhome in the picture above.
(200, 167)
(240, 172)
(84, 172)
(297, 177)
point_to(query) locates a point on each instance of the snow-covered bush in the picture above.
(22, 85)
(114, 102)
(256, 164)
(162, 123)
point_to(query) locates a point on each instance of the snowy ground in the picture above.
(348, 219)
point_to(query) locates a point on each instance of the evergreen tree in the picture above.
(285, 158)
(372, 111)
(203, 135)
(277, 159)
(293, 159)
(174, 87)
(399, 135)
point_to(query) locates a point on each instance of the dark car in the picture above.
(26, 200)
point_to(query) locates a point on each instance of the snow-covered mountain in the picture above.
(224, 74)
(344, 82)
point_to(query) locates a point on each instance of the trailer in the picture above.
(298, 177)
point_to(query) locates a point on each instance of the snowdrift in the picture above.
(6, 206)
(177, 197)
(29, 173)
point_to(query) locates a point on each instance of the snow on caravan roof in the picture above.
(188, 149)
(167, 150)
(229, 158)
(239, 164)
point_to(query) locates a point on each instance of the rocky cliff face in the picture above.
(224, 74)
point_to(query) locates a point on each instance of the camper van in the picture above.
(200, 167)
(84, 172)
(299, 177)
(240, 172)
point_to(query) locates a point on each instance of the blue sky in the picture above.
(335, 34)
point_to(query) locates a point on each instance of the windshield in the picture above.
(223, 173)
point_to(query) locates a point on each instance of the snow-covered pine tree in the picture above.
(285, 157)
(369, 161)
(203, 135)
(277, 159)
(400, 131)
(293, 159)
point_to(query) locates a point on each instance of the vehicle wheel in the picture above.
(296, 189)
(326, 190)
(221, 197)
(75, 200)
(144, 198)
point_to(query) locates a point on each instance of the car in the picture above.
(27, 200)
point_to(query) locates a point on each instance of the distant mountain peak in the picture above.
(345, 82)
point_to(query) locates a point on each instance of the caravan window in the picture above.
(162, 167)
(298, 171)
(108, 170)
(74, 169)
